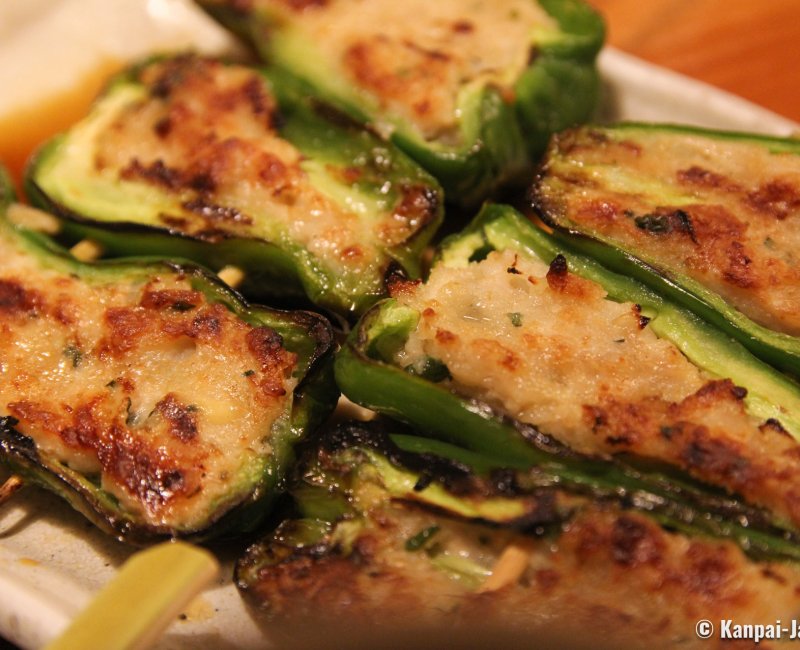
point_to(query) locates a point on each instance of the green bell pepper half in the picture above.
(356, 469)
(499, 134)
(722, 168)
(392, 205)
(252, 492)
(367, 374)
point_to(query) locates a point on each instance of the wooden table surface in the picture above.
(748, 47)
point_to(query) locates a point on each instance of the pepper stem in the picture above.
(7, 490)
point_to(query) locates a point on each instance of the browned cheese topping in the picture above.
(413, 58)
(206, 134)
(725, 213)
(615, 574)
(545, 347)
(143, 383)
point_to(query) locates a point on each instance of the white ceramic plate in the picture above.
(52, 560)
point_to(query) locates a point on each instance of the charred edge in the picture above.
(557, 273)
(709, 498)
(396, 280)
(774, 425)
(640, 319)
(542, 441)
(505, 481)
(337, 117)
(22, 452)
(543, 517)
(274, 557)
(739, 392)
(156, 173)
(182, 419)
(170, 178)
(132, 227)
(14, 443)
(454, 476)
(318, 329)
(665, 223)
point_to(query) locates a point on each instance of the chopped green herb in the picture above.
(516, 318)
(249, 373)
(419, 540)
(132, 416)
(668, 432)
(73, 353)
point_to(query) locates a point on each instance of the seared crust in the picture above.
(195, 147)
(545, 347)
(721, 211)
(611, 577)
(207, 132)
(413, 59)
(140, 380)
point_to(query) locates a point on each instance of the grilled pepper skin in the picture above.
(367, 373)
(388, 207)
(699, 206)
(367, 503)
(500, 130)
(305, 337)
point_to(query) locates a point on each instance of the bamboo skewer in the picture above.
(233, 276)
(86, 250)
(10, 487)
(150, 591)
(25, 216)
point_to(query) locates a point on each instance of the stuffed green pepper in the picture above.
(469, 89)
(708, 218)
(191, 157)
(397, 537)
(148, 394)
(514, 344)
